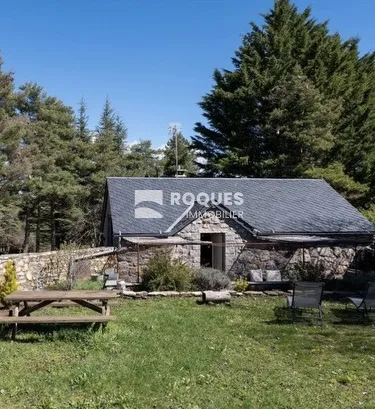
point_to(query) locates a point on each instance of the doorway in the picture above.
(211, 255)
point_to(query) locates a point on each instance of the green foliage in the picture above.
(143, 161)
(240, 285)
(9, 281)
(370, 212)
(303, 272)
(299, 101)
(335, 175)
(162, 273)
(211, 279)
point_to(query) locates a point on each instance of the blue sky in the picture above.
(153, 58)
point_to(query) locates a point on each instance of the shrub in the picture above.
(304, 272)
(63, 285)
(211, 279)
(9, 284)
(162, 273)
(240, 285)
(351, 282)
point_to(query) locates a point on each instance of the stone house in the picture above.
(233, 224)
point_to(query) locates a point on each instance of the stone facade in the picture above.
(241, 254)
(37, 270)
(128, 261)
(334, 261)
(234, 238)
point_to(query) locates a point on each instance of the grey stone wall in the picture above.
(128, 260)
(334, 260)
(239, 257)
(37, 270)
(235, 237)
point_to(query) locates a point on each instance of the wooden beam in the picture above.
(36, 307)
(89, 305)
(62, 319)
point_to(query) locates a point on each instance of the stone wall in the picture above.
(239, 257)
(128, 260)
(37, 270)
(235, 237)
(208, 223)
(334, 261)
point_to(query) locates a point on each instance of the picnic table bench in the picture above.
(42, 299)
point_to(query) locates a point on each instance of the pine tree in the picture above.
(143, 161)
(186, 156)
(109, 160)
(53, 183)
(298, 102)
(14, 162)
(81, 122)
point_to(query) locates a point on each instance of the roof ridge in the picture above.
(211, 178)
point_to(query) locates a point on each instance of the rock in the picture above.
(141, 294)
(337, 251)
(264, 255)
(186, 294)
(170, 293)
(325, 252)
(156, 294)
(128, 294)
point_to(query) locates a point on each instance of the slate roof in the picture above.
(270, 206)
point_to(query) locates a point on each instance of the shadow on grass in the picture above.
(70, 332)
(334, 316)
(350, 316)
(283, 316)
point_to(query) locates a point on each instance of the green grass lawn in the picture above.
(176, 354)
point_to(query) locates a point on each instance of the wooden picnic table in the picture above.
(42, 299)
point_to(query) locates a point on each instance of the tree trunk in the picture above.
(53, 226)
(215, 297)
(26, 240)
(37, 232)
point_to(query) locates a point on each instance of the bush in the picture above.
(240, 285)
(211, 279)
(9, 284)
(304, 272)
(63, 285)
(162, 273)
(351, 282)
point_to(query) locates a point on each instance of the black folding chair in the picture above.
(366, 303)
(306, 295)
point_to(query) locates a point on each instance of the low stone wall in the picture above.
(196, 294)
(37, 270)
